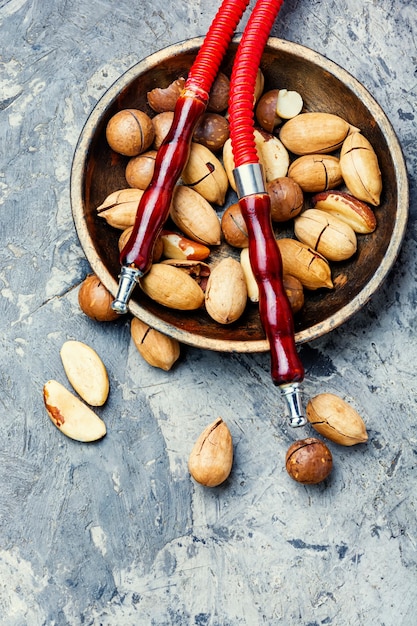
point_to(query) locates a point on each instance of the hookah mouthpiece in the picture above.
(128, 278)
(292, 395)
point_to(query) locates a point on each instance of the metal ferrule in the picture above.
(292, 395)
(128, 278)
(249, 179)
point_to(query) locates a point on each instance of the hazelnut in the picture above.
(308, 461)
(130, 132)
(266, 111)
(95, 300)
(234, 227)
(139, 170)
(219, 95)
(287, 198)
(212, 131)
(162, 124)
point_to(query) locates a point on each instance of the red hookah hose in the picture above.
(172, 156)
(274, 308)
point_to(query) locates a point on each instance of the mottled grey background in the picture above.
(116, 533)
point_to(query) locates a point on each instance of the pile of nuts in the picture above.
(320, 172)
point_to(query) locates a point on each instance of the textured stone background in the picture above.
(117, 533)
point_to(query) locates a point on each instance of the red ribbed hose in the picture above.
(216, 42)
(173, 154)
(245, 68)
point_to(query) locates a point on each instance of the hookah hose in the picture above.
(172, 156)
(276, 316)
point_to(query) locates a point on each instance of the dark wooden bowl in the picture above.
(97, 171)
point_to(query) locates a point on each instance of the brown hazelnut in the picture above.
(130, 132)
(162, 123)
(308, 461)
(212, 130)
(295, 292)
(139, 170)
(287, 198)
(266, 111)
(219, 95)
(234, 227)
(165, 99)
(95, 300)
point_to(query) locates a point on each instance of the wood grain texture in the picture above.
(116, 533)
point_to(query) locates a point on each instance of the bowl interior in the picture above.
(97, 171)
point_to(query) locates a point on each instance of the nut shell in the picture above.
(205, 174)
(266, 111)
(316, 172)
(211, 459)
(195, 216)
(234, 227)
(310, 267)
(314, 133)
(334, 418)
(360, 169)
(130, 132)
(219, 94)
(140, 169)
(95, 300)
(287, 198)
(212, 130)
(172, 287)
(164, 99)
(157, 349)
(226, 292)
(326, 234)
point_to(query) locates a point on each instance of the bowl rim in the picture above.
(309, 334)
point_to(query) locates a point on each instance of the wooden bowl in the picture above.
(97, 171)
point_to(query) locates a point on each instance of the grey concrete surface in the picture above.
(117, 533)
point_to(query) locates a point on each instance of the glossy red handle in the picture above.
(154, 205)
(274, 307)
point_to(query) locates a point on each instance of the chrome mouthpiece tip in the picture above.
(119, 306)
(128, 278)
(292, 395)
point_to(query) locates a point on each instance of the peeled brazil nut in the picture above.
(315, 133)
(326, 234)
(70, 415)
(171, 287)
(86, 372)
(335, 419)
(346, 207)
